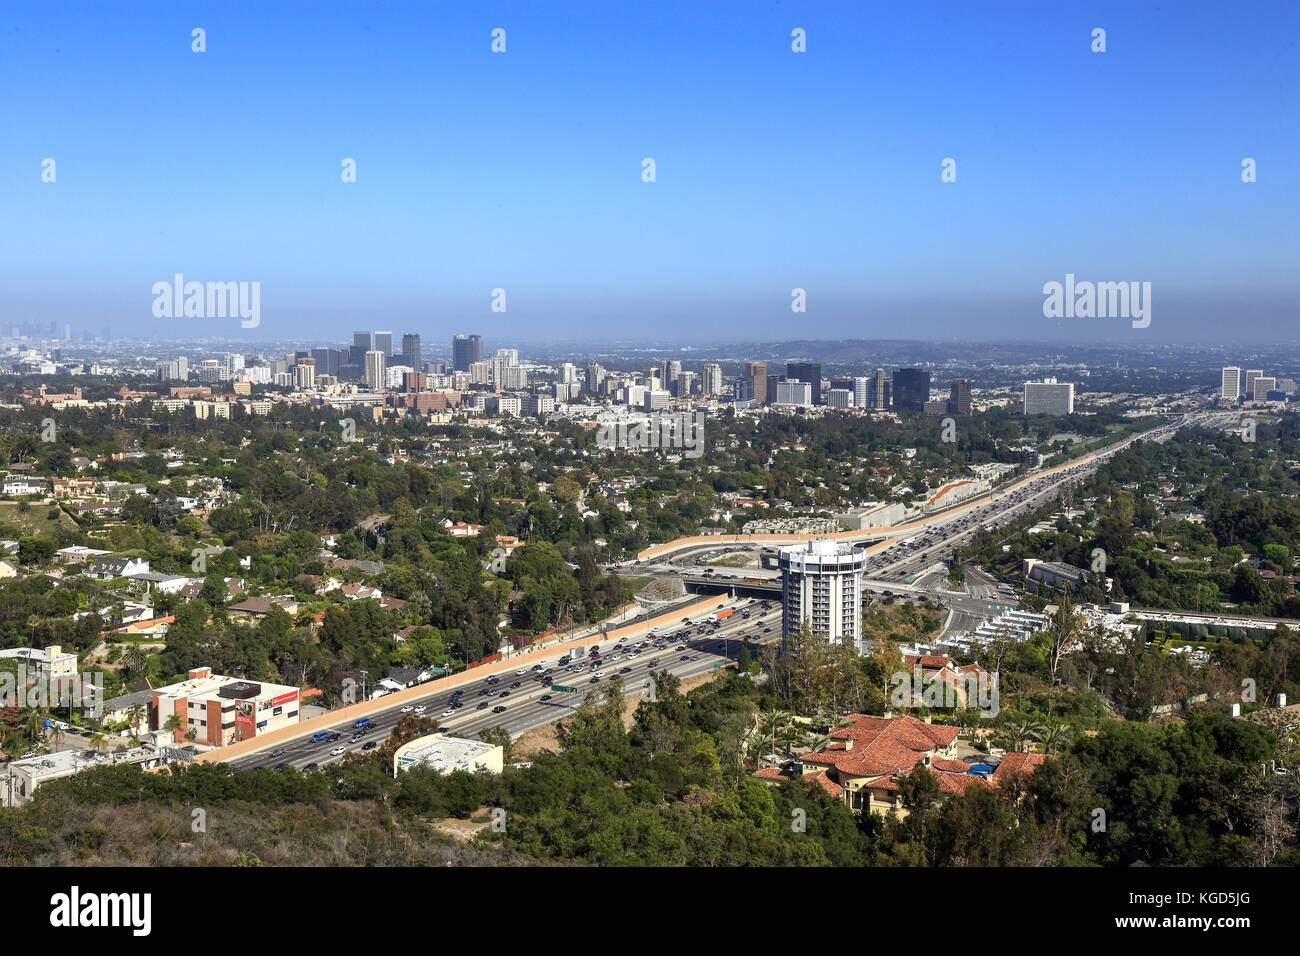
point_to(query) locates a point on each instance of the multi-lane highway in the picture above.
(530, 702)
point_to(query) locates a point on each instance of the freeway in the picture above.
(525, 706)
(1033, 485)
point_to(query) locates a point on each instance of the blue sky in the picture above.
(775, 170)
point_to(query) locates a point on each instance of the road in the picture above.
(525, 708)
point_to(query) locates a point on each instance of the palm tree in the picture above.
(133, 715)
(815, 741)
(1055, 737)
(135, 659)
(98, 741)
(774, 720)
(1016, 732)
(33, 722)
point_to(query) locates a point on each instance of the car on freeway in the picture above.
(498, 709)
(594, 680)
(276, 753)
(685, 657)
(280, 766)
(625, 670)
(407, 709)
(421, 708)
(313, 765)
(449, 713)
(517, 683)
(335, 736)
(320, 736)
(338, 751)
(545, 697)
(505, 694)
(482, 705)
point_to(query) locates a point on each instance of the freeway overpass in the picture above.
(668, 550)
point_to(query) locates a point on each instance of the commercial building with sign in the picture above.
(223, 710)
(445, 754)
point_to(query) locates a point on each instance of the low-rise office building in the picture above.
(445, 754)
(223, 710)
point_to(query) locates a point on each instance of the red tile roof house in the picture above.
(960, 678)
(863, 762)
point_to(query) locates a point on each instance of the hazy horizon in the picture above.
(774, 170)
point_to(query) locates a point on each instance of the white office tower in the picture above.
(793, 393)
(304, 374)
(861, 391)
(1230, 389)
(712, 384)
(839, 398)
(376, 366)
(394, 375)
(568, 372)
(1251, 375)
(821, 584)
(1049, 397)
(1262, 385)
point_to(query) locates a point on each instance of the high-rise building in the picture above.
(810, 372)
(376, 368)
(712, 381)
(465, 351)
(304, 373)
(756, 375)
(568, 372)
(595, 377)
(821, 585)
(880, 393)
(1230, 389)
(411, 354)
(793, 392)
(384, 343)
(1251, 375)
(1262, 385)
(1049, 397)
(327, 361)
(361, 344)
(959, 397)
(911, 389)
(861, 392)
